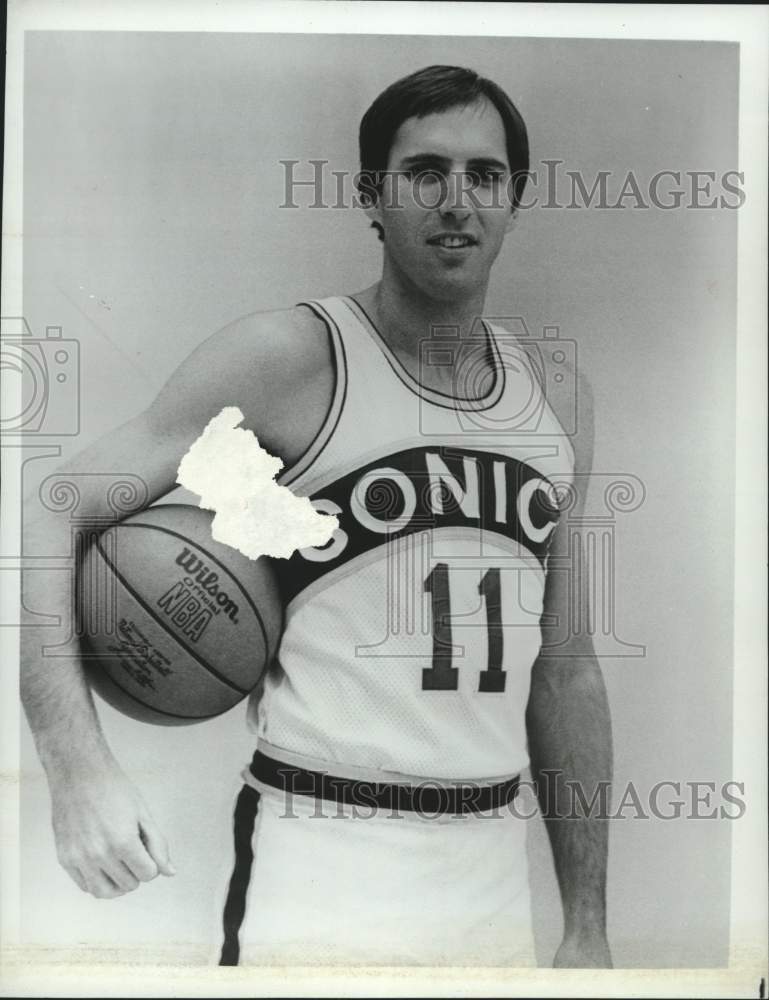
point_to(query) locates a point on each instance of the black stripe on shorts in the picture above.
(246, 808)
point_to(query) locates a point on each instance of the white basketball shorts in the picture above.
(320, 882)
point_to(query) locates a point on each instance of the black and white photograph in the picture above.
(384, 509)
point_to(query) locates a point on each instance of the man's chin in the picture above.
(449, 283)
(457, 286)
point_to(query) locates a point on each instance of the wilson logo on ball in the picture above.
(204, 581)
(192, 602)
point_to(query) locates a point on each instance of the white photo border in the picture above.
(742, 24)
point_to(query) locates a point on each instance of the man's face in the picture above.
(443, 230)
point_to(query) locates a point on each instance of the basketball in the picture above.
(175, 627)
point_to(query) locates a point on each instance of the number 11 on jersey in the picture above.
(442, 676)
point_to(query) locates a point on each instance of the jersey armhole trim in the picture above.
(334, 412)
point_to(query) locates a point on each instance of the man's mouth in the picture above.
(452, 241)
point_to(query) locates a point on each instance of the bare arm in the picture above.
(570, 743)
(105, 837)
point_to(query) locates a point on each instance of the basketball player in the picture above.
(424, 663)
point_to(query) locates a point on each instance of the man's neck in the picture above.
(404, 316)
(405, 319)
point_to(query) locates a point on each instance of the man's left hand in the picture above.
(583, 952)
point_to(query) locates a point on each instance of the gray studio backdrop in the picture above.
(152, 186)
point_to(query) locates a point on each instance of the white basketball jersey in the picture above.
(410, 637)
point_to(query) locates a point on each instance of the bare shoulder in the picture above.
(275, 366)
(296, 331)
(290, 342)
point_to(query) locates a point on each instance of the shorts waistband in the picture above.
(423, 797)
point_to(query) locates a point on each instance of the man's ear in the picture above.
(373, 211)
(512, 222)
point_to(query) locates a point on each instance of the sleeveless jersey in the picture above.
(409, 638)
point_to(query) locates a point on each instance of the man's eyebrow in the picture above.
(444, 161)
(425, 158)
(487, 161)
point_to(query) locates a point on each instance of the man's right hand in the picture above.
(106, 839)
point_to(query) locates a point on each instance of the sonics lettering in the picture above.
(422, 489)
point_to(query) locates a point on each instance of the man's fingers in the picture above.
(101, 886)
(156, 846)
(105, 837)
(120, 875)
(88, 874)
(139, 862)
(76, 876)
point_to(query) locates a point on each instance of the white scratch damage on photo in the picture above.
(235, 477)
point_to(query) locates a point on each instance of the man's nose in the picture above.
(457, 201)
